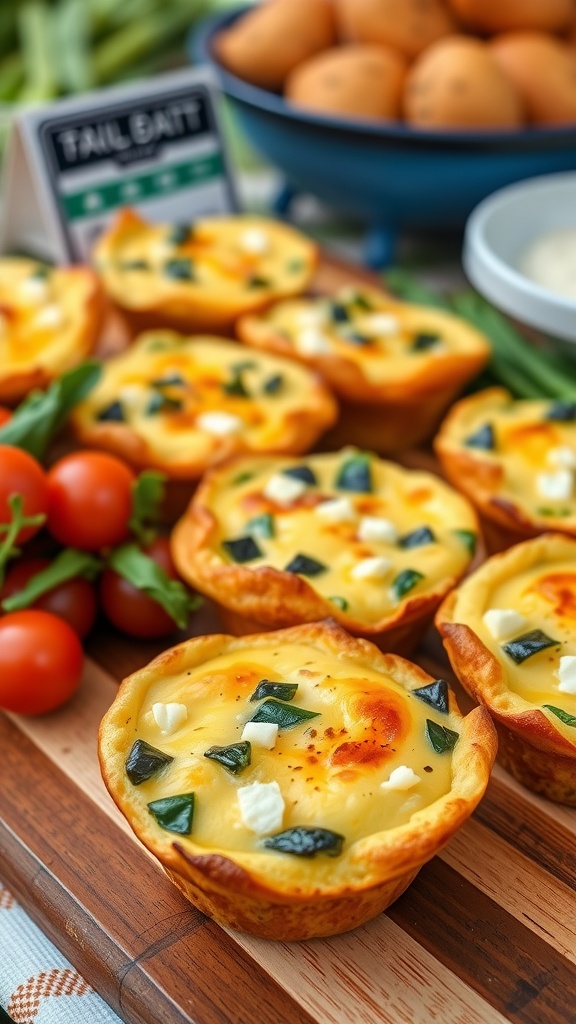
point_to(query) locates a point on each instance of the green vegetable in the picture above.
(423, 342)
(306, 842)
(305, 566)
(303, 473)
(68, 565)
(355, 475)
(235, 384)
(468, 538)
(42, 415)
(144, 761)
(525, 646)
(435, 694)
(113, 413)
(442, 739)
(147, 496)
(285, 716)
(234, 758)
(159, 403)
(12, 529)
(562, 412)
(273, 384)
(258, 282)
(143, 573)
(180, 269)
(417, 538)
(261, 526)
(340, 602)
(405, 581)
(174, 813)
(282, 691)
(562, 715)
(242, 549)
(482, 438)
(179, 233)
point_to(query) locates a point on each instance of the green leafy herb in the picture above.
(562, 412)
(235, 384)
(482, 438)
(363, 302)
(68, 565)
(303, 473)
(12, 529)
(273, 384)
(169, 381)
(174, 813)
(306, 842)
(261, 526)
(468, 538)
(267, 688)
(234, 758)
(525, 646)
(242, 478)
(340, 602)
(242, 549)
(42, 415)
(339, 313)
(147, 496)
(405, 581)
(181, 269)
(144, 761)
(435, 694)
(178, 234)
(562, 715)
(305, 566)
(258, 282)
(130, 562)
(161, 403)
(417, 538)
(423, 341)
(441, 738)
(355, 475)
(113, 413)
(285, 716)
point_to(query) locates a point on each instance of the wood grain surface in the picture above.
(485, 934)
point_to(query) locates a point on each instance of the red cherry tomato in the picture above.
(130, 609)
(21, 474)
(74, 601)
(5, 414)
(89, 500)
(40, 662)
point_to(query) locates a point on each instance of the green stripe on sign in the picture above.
(101, 198)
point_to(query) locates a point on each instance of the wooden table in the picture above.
(485, 934)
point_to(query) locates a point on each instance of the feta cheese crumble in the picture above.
(261, 807)
(261, 734)
(567, 674)
(221, 424)
(169, 717)
(503, 622)
(284, 489)
(371, 568)
(401, 778)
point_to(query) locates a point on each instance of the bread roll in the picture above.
(543, 69)
(350, 81)
(508, 15)
(408, 25)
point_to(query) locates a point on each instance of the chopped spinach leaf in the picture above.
(482, 438)
(355, 475)
(305, 566)
(144, 761)
(441, 738)
(261, 526)
(468, 538)
(267, 688)
(563, 412)
(242, 549)
(174, 813)
(234, 758)
(525, 646)
(435, 694)
(405, 581)
(417, 538)
(339, 602)
(273, 384)
(303, 473)
(179, 269)
(285, 716)
(306, 842)
(424, 341)
(113, 413)
(562, 715)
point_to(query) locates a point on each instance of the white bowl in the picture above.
(497, 236)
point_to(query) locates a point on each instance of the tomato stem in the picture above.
(8, 547)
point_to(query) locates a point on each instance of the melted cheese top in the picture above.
(42, 314)
(225, 260)
(533, 452)
(405, 499)
(537, 579)
(329, 769)
(184, 396)
(389, 341)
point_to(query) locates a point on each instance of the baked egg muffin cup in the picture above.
(394, 366)
(200, 277)
(515, 460)
(276, 542)
(509, 631)
(51, 318)
(359, 769)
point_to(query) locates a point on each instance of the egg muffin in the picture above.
(280, 541)
(515, 461)
(200, 276)
(50, 319)
(510, 634)
(395, 366)
(350, 81)
(292, 783)
(181, 404)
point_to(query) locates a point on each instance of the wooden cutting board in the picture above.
(485, 934)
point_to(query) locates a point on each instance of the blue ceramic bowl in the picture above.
(388, 175)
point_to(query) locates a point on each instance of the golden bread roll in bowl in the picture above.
(509, 15)
(510, 634)
(350, 81)
(280, 541)
(515, 461)
(201, 276)
(408, 26)
(50, 320)
(182, 404)
(549, 96)
(394, 366)
(292, 784)
(456, 83)
(266, 43)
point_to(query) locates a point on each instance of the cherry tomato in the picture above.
(74, 601)
(130, 609)
(20, 473)
(5, 414)
(40, 662)
(89, 500)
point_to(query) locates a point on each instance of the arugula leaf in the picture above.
(42, 415)
(147, 496)
(68, 565)
(130, 562)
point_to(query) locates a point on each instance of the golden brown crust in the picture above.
(294, 898)
(536, 752)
